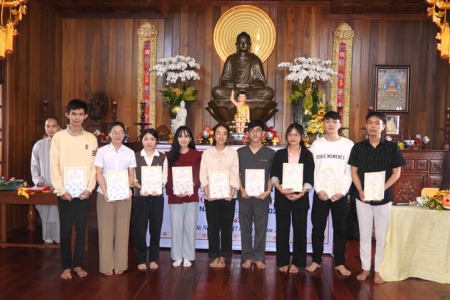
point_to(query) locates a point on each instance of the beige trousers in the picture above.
(113, 233)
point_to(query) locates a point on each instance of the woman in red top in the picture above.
(183, 204)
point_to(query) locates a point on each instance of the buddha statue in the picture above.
(243, 71)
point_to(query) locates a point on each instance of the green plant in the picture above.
(174, 95)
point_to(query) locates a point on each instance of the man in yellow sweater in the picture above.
(72, 173)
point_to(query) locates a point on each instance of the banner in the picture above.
(146, 82)
(342, 59)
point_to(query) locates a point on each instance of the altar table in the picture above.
(418, 245)
(11, 197)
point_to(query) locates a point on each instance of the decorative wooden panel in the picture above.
(409, 186)
(422, 169)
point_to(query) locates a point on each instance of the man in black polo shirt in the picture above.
(374, 155)
(254, 208)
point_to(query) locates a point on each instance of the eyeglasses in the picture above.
(117, 133)
(255, 130)
(293, 135)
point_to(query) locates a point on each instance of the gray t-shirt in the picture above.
(262, 159)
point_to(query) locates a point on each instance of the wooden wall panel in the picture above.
(33, 75)
(301, 31)
(58, 60)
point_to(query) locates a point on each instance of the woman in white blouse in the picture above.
(113, 216)
(220, 212)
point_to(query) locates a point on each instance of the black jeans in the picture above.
(319, 217)
(220, 216)
(147, 210)
(70, 213)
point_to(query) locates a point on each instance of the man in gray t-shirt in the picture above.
(254, 197)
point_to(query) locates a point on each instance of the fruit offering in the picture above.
(273, 134)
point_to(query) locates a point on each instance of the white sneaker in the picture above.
(48, 241)
(177, 263)
(186, 263)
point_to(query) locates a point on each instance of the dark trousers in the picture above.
(319, 216)
(147, 211)
(257, 214)
(299, 223)
(70, 213)
(220, 216)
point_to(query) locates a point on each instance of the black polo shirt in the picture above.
(386, 156)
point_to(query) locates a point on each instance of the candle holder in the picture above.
(114, 111)
(45, 110)
(340, 111)
(142, 124)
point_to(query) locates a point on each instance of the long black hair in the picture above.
(299, 129)
(174, 152)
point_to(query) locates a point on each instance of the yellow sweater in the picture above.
(72, 151)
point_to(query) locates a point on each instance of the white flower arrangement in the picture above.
(313, 68)
(177, 68)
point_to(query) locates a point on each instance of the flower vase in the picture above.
(298, 111)
(173, 110)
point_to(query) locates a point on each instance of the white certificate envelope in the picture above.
(75, 180)
(374, 185)
(151, 179)
(293, 177)
(118, 186)
(254, 182)
(328, 181)
(182, 180)
(219, 186)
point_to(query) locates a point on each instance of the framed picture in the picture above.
(392, 86)
(392, 124)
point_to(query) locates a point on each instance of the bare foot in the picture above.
(80, 272)
(153, 265)
(260, 265)
(66, 274)
(247, 264)
(312, 267)
(221, 263)
(343, 270)
(142, 267)
(118, 272)
(293, 269)
(108, 273)
(363, 275)
(377, 278)
(187, 263)
(214, 263)
(283, 269)
(177, 263)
